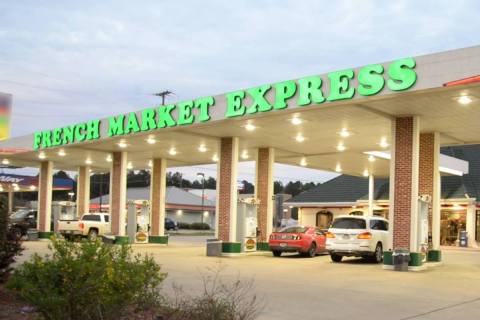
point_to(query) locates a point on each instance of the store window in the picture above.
(324, 219)
(451, 223)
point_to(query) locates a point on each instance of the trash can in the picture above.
(214, 248)
(401, 258)
(463, 239)
(32, 234)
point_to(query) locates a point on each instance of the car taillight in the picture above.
(330, 235)
(296, 237)
(365, 235)
(81, 225)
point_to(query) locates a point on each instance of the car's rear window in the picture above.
(91, 217)
(294, 230)
(349, 223)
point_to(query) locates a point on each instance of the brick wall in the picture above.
(426, 169)
(117, 184)
(404, 130)
(263, 191)
(158, 190)
(83, 190)
(224, 188)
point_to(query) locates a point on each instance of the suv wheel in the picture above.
(378, 255)
(335, 257)
(312, 251)
(92, 235)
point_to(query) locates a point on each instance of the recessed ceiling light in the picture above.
(244, 154)
(250, 127)
(371, 158)
(365, 173)
(464, 100)
(150, 163)
(5, 161)
(1, 188)
(383, 143)
(338, 168)
(341, 147)
(88, 161)
(16, 188)
(42, 155)
(344, 133)
(129, 166)
(151, 140)
(300, 138)
(61, 153)
(32, 187)
(202, 148)
(215, 158)
(122, 144)
(109, 158)
(303, 162)
(172, 151)
(296, 121)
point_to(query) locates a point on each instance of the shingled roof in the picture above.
(345, 188)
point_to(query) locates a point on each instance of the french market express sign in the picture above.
(340, 85)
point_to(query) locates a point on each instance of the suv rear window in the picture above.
(294, 230)
(91, 217)
(349, 223)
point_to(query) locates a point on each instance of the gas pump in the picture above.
(422, 226)
(62, 210)
(138, 213)
(247, 224)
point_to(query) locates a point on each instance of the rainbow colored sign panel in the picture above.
(5, 111)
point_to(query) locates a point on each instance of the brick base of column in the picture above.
(158, 239)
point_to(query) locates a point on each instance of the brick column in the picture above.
(118, 190)
(264, 192)
(158, 189)
(227, 194)
(429, 181)
(83, 190)
(404, 178)
(45, 199)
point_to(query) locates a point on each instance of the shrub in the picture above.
(219, 300)
(183, 225)
(10, 245)
(199, 226)
(88, 280)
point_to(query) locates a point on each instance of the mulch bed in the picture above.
(12, 308)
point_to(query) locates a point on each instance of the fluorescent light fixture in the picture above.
(341, 147)
(303, 162)
(371, 158)
(379, 154)
(300, 138)
(151, 140)
(464, 100)
(202, 148)
(296, 121)
(172, 151)
(61, 153)
(215, 158)
(250, 127)
(5, 161)
(42, 155)
(451, 171)
(244, 154)
(109, 158)
(344, 133)
(122, 144)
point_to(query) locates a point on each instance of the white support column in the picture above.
(470, 223)
(118, 193)
(45, 197)
(371, 189)
(83, 190)
(158, 189)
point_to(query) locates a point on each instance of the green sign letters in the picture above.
(340, 85)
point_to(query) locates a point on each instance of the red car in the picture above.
(307, 241)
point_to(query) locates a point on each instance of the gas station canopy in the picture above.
(340, 121)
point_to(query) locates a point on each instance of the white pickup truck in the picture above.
(91, 225)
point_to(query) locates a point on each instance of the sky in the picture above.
(70, 61)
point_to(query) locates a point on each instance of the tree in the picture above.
(248, 188)
(278, 187)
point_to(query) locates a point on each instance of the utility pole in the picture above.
(202, 176)
(163, 94)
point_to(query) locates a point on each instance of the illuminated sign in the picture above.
(370, 80)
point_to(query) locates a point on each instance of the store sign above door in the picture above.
(340, 85)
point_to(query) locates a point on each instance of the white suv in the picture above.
(357, 236)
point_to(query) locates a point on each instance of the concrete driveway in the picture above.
(296, 288)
